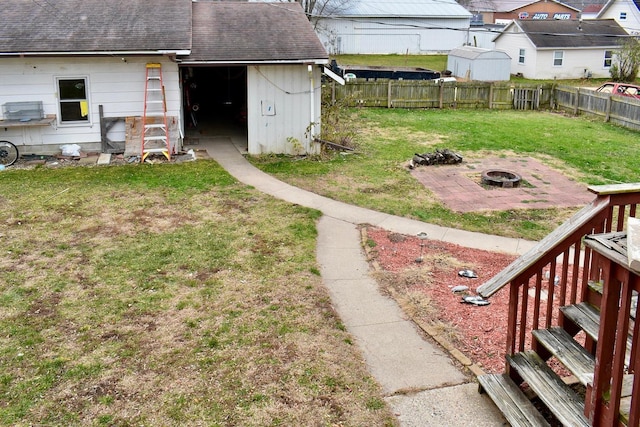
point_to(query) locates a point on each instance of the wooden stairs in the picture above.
(531, 366)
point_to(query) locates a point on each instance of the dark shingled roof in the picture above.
(29, 26)
(573, 33)
(253, 32)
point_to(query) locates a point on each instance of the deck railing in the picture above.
(557, 272)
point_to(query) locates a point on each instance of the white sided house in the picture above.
(391, 27)
(561, 49)
(626, 13)
(84, 62)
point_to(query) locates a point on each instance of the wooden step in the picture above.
(568, 352)
(556, 395)
(511, 401)
(585, 316)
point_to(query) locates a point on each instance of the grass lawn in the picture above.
(588, 151)
(168, 296)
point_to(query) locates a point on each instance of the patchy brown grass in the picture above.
(127, 303)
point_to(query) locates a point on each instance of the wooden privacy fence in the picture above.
(435, 94)
(620, 110)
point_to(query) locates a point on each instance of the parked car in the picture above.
(624, 89)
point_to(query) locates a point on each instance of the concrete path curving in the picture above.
(421, 383)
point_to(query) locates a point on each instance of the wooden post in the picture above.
(441, 94)
(333, 92)
(596, 407)
(103, 129)
(389, 105)
(490, 96)
(577, 106)
(607, 116)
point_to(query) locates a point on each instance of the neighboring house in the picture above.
(561, 49)
(626, 13)
(591, 11)
(473, 63)
(255, 62)
(392, 27)
(482, 35)
(505, 11)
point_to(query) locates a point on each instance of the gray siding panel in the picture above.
(279, 108)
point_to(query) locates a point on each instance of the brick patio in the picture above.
(458, 186)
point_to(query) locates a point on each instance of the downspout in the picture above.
(312, 126)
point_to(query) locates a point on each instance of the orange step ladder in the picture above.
(155, 129)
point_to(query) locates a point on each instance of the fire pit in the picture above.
(501, 178)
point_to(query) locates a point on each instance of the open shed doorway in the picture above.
(215, 102)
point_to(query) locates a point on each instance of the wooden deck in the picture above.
(577, 282)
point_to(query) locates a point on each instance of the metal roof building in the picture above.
(474, 63)
(392, 26)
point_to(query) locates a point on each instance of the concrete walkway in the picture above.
(421, 384)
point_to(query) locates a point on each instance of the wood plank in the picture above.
(586, 316)
(633, 243)
(556, 395)
(568, 351)
(633, 187)
(626, 396)
(596, 287)
(48, 120)
(511, 401)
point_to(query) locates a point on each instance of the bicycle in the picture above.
(8, 153)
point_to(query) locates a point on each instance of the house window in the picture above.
(558, 55)
(521, 56)
(608, 56)
(74, 106)
(623, 16)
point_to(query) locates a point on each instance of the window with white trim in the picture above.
(608, 57)
(521, 56)
(558, 56)
(73, 100)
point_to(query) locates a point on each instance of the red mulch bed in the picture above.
(482, 329)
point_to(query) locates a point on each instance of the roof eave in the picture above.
(316, 61)
(612, 47)
(604, 8)
(100, 53)
(347, 17)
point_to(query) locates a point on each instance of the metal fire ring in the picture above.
(501, 178)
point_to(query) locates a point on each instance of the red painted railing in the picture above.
(556, 273)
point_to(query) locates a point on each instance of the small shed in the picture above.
(474, 63)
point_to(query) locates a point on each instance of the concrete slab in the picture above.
(455, 406)
(400, 360)
(359, 303)
(104, 159)
(397, 355)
